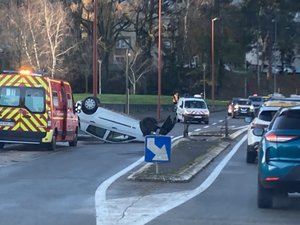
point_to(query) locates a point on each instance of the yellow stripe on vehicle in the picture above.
(42, 82)
(29, 124)
(14, 80)
(4, 79)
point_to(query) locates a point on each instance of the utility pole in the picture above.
(95, 61)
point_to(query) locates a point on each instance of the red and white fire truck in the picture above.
(36, 109)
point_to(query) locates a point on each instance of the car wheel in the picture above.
(1, 145)
(148, 125)
(73, 143)
(52, 145)
(206, 121)
(90, 105)
(251, 156)
(264, 196)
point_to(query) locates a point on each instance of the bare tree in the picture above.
(44, 27)
(139, 65)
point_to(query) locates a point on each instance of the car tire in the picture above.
(90, 105)
(1, 145)
(52, 145)
(148, 125)
(264, 196)
(251, 156)
(73, 143)
(206, 121)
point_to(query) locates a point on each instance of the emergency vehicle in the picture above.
(192, 109)
(36, 109)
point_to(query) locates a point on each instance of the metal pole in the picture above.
(159, 61)
(126, 82)
(275, 83)
(213, 61)
(258, 66)
(100, 66)
(204, 81)
(95, 83)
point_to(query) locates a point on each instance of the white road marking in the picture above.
(221, 121)
(198, 129)
(139, 210)
(205, 127)
(214, 124)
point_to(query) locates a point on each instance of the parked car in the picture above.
(243, 107)
(192, 109)
(263, 119)
(279, 157)
(117, 127)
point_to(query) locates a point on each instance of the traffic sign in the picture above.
(157, 148)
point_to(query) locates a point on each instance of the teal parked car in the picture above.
(279, 157)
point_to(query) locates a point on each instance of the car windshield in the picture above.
(244, 102)
(195, 104)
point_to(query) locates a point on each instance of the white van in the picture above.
(192, 109)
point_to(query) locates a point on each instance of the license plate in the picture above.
(7, 123)
(198, 117)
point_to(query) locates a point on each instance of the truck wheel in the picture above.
(264, 196)
(75, 140)
(52, 145)
(90, 105)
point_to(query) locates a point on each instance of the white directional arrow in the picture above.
(160, 154)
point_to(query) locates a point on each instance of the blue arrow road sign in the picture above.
(157, 148)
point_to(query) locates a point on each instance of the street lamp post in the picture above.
(213, 60)
(274, 55)
(95, 50)
(126, 82)
(100, 67)
(204, 68)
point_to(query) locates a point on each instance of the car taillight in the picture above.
(271, 178)
(49, 121)
(279, 138)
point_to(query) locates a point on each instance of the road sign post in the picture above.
(157, 149)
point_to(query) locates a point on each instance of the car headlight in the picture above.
(252, 108)
(236, 106)
(186, 113)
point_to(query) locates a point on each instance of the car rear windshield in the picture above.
(290, 119)
(266, 115)
(256, 99)
(33, 98)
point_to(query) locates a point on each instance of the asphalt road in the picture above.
(231, 200)
(66, 187)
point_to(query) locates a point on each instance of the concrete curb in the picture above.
(188, 172)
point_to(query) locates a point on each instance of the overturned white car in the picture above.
(116, 127)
